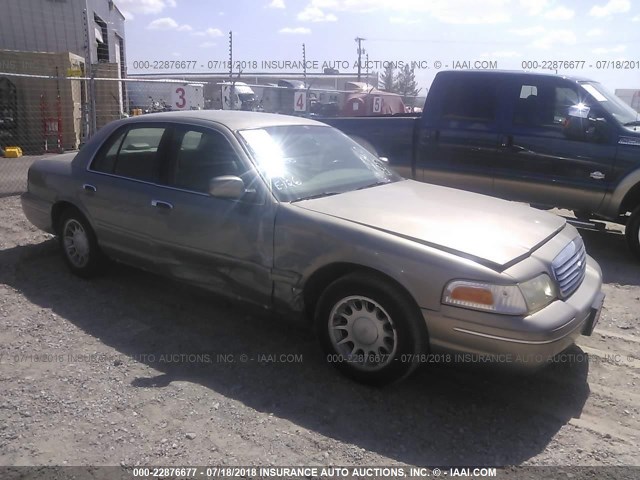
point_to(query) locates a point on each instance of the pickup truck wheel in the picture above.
(79, 245)
(632, 231)
(369, 329)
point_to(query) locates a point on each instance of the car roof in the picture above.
(514, 73)
(232, 119)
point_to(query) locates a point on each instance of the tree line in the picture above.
(403, 82)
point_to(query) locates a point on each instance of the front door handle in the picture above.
(89, 188)
(161, 204)
(597, 175)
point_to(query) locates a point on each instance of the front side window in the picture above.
(200, 156)
(558, 111)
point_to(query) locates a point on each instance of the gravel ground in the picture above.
(134, 369)
(13, 173)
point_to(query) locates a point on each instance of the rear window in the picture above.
(131, 153)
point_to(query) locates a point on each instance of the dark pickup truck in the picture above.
(547, 140)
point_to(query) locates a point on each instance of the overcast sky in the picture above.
(429, 31)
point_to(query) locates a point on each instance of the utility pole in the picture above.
(367, 67)
(304, 64)
(360, 52)
(231, 89)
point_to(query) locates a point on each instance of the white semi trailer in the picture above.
(154, 96)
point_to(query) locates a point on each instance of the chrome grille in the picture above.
(569, 267)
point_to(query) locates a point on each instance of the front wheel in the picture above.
(78, 243)
(632, 232)
(370, 329)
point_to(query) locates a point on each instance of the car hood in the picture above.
(493, 232)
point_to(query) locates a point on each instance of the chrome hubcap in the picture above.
(363, 333)
(76, 243)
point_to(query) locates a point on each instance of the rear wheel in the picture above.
(632, 232)
(79, 245)
(370, 329)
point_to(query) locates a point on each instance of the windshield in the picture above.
(611, 103)
(301, 161)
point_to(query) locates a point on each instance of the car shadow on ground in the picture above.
(441, 415)
(609, 248)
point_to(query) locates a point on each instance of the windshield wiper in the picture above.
(317, 195)
(635, 123)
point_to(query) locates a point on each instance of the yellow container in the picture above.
(12, 152)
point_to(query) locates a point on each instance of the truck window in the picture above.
(557, 111)
(544, 105)
(470, 102)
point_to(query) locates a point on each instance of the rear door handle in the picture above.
(89, 188)
(161, 204)
(597, 175)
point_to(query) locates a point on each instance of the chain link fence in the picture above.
(44, 115)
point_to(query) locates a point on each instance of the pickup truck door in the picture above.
(556, 150)
(457, 141)
(222, 244)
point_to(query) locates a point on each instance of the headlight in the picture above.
(538, 292)
(521, 299)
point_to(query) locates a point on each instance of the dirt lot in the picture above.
(134, 369)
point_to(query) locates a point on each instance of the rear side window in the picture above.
(105, 161)
(470, 102)
(132, 154)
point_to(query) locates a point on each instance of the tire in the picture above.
(78, 244)
(381, 308)
(632, 232)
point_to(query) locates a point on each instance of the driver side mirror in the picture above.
(227, 186)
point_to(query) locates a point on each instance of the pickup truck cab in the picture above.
(547, 140)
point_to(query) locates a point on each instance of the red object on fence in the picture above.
(51, 126)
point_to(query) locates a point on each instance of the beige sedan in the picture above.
(290, 214)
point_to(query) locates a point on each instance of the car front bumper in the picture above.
(464, 336)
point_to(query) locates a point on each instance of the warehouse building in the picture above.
(59, 38)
